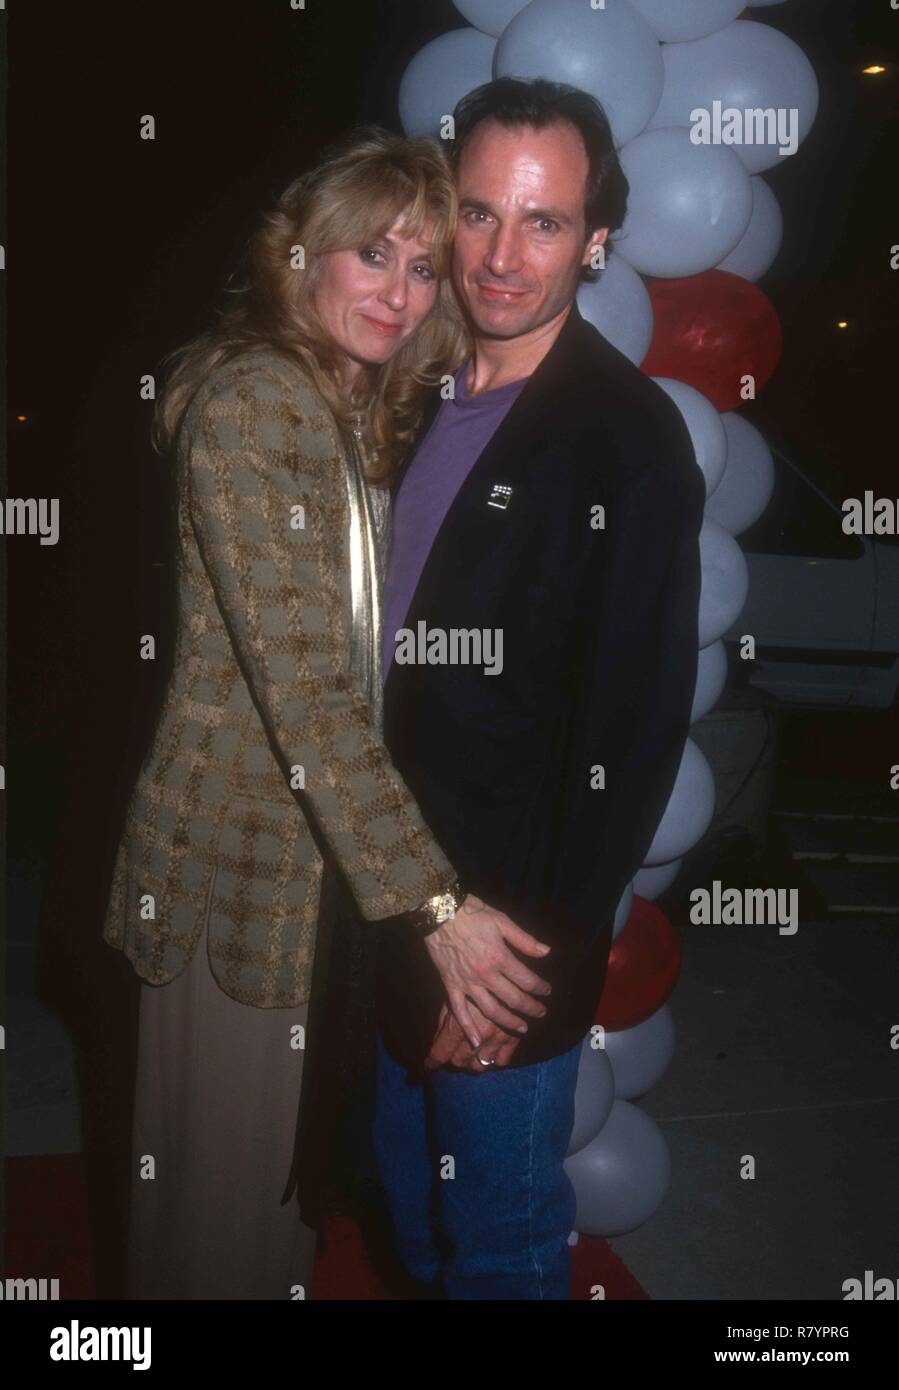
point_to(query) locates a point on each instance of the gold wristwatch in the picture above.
(437, 910)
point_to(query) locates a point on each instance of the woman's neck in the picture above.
(349, 373)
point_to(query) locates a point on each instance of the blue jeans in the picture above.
(481, 1156)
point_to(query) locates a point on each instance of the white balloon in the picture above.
(753, 255)
(705, 426)
(611, 53)
(677, 20)
(748, 481)
(490, 16)
(650, 883)
(618, 304)
(690, 808)
(711, 678)
(623, 910)
(439, 76)
(688, 207)
(594, 1095)
(622, 1175)
(746, 66)
(725, 582)
(641, 1055)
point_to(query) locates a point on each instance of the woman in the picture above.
(266, 774)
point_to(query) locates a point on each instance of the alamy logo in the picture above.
(755, 125)
(746, 906)
(31, 516)
(77, 1343)
(872, 1288)
(456, 646)
(870, 516)
(24, 1290)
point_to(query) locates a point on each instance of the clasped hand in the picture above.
(487, 987)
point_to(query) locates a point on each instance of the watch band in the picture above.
(436, 910)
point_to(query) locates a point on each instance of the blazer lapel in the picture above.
(524, 425)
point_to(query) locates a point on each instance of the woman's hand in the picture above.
(451, 1047)
(471, 952)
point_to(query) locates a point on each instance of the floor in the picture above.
(786, 1055)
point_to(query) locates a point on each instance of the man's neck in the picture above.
(496, 362)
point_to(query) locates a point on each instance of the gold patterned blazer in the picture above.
(266, 746)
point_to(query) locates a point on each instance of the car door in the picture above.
(812, 594)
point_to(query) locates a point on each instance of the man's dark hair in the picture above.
(513, 101)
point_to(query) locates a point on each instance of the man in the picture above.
(552, 507)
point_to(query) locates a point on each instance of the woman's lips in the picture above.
(389, 330)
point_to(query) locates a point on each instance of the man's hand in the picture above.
(471, 952)
(451, 1047)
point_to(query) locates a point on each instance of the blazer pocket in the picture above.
(263, 898)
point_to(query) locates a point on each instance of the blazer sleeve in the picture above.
(258, 450)
(632, 688)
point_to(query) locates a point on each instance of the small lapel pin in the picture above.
(499, 496)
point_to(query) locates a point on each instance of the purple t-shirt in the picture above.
(460, 432)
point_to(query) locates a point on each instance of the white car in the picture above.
(823, 606)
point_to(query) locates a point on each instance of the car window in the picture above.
(798, 520)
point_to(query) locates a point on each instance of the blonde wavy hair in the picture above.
(355, 194)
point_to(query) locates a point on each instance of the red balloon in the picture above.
(644, 964)
(710, 331)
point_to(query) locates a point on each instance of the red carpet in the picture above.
(46, 1223)
(47, 1236)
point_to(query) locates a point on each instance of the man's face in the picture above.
(521, 238)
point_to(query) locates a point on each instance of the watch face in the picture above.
(446, 906)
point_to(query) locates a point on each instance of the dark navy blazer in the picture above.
(599, 666)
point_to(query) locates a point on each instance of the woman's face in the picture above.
(371, 300)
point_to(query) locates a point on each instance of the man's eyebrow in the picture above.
(554, 214)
